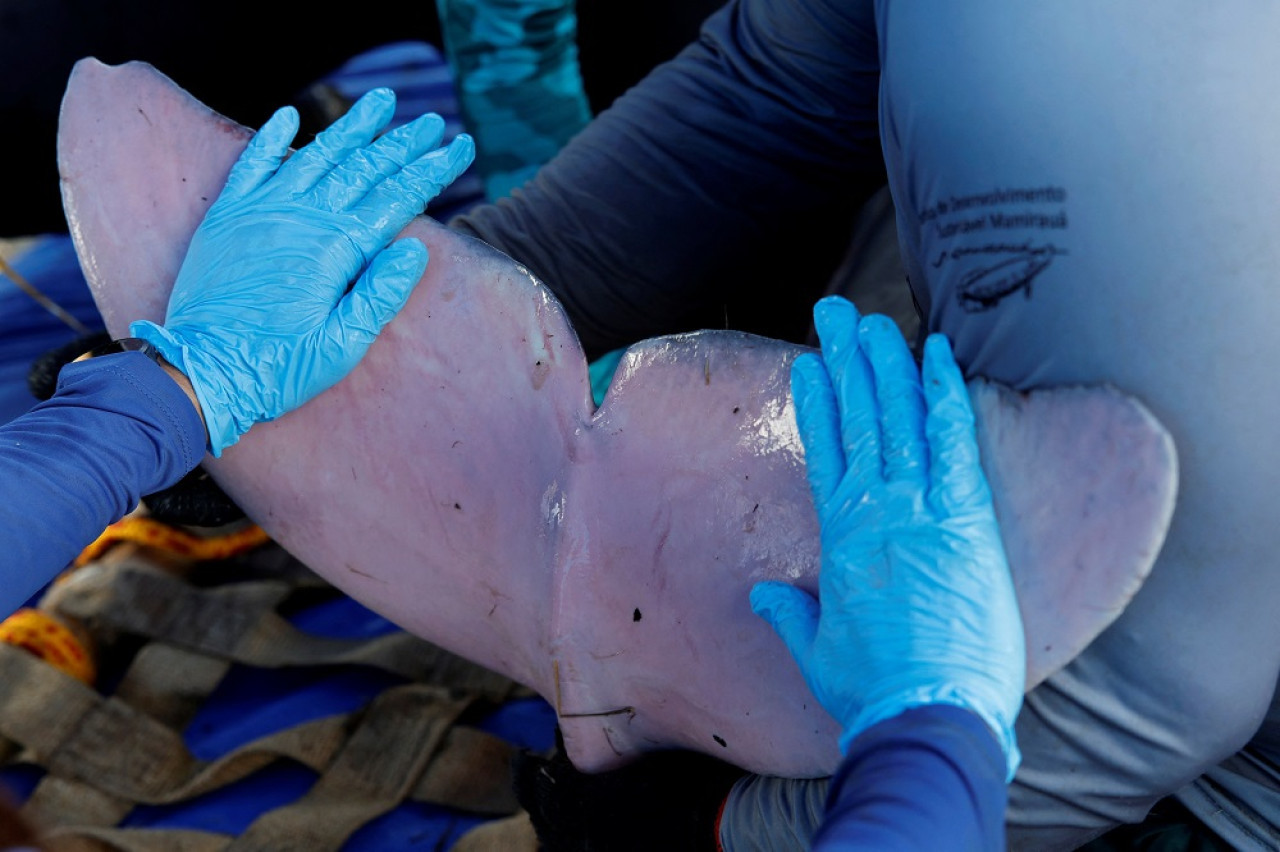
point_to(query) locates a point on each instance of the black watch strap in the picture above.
(125, 344)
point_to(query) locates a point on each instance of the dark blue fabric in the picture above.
(663, 214)
(931, 778)
(117, 428)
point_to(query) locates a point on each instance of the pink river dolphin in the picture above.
(462, 483)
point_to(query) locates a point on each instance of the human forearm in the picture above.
(118, 427)
(931, 778)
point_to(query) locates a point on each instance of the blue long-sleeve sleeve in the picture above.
(117, 428)
(931, 778)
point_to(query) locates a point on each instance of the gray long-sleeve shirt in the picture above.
(1085, 194)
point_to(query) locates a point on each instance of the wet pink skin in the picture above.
(461, 482)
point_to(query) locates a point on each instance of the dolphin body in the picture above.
(462, 483)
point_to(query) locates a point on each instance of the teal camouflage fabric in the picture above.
(515, 68)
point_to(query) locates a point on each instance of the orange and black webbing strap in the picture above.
(49, 639)
(171, 540)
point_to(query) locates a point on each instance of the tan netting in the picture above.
(105, 754)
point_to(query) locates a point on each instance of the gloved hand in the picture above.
(260, 319)
(917, 603)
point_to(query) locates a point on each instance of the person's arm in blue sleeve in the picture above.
(709, 176)
(117, 428)
(915, 643)
(931, 774)
(255, 327)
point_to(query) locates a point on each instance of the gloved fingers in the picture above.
(836, 321)
(377, 296)
(263, 155)
(792, 613)
(818, 420)
(392, 203)
(902, 411)
(339, 141)
(956, 480)
(351, 181)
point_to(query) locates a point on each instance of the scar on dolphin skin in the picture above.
(354, 570)
(617, 711)
(609, 740)
(630, 711)
(555, 671)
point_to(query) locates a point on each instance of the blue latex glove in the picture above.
(917, 603)
(260, 318)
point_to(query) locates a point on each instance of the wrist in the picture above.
(225, 405)
(144, 347)
(975, 701)
(187, 388)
